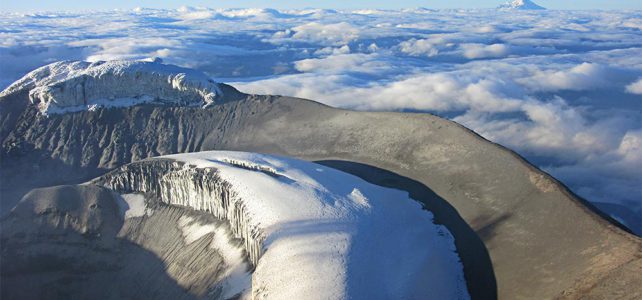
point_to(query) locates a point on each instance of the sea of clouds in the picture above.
(562, 88)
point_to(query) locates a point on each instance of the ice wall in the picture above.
(201, 189)
(69, 86)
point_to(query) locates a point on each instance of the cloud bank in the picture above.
(562, 88)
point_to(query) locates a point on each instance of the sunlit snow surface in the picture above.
(330, 235)
(563, 88)
(69, 86)
(132, 206)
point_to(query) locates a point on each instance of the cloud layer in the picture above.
(563, 88)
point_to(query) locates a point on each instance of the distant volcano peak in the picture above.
(521, 5)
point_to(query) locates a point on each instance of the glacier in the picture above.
(309, 231)
(70, 86)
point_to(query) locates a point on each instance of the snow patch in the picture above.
(193, 230)
(237, 279)
(359, 198)
(132, 206)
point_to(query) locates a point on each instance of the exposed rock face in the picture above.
(77, 85)
(543, 241)
(71, 242)
(88, 212)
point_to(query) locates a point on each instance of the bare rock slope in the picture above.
(71, 242)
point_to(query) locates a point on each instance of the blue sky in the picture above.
(48, 5)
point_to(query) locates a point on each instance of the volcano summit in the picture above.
(105, 179)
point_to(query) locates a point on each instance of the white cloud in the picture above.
(585, 76)
(474, 51)
(486, 29)
(126, 48)
(334, 51)
(315, 32)
(197, 15)
(635, 87)
(419, 47)
(337, 63)
(258, 13)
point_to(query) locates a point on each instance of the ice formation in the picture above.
(310, 231)
(520, 4)
(69, 86)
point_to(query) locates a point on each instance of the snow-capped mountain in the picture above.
(521, 5)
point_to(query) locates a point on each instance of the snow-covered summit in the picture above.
(68, 86)
(312, 232)
(520, 5)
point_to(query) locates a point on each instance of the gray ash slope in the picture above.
(541, 240)
(71, 242)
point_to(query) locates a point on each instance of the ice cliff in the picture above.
(69, 86)
(310, 231)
